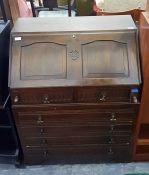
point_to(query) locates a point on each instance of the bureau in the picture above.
(75, 88)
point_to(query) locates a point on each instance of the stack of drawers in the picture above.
(75, 125)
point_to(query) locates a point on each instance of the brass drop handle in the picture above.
(134, 99)
(102, 98)
(45, 153)
(16, 99)
(112, 127)
(134, 94)
(40, 121)
(111, 140)
(110, 152)
(46, 99)
(41, 131)
(113, 117)
(74, 36)
(44, 141)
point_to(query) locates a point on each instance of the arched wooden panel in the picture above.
(43, 61)
(105, 59)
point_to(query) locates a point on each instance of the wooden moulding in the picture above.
(141, 146)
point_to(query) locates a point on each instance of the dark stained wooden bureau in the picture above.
(75, 88)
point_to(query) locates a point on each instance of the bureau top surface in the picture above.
(77, 24)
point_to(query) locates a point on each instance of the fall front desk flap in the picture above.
(76, 51)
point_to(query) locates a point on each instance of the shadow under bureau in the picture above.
(75, 88)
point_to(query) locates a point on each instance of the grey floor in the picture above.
(92, 169)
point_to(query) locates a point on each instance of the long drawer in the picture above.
(77, 154)
(86, 130)
(45, 142)
(73, 117)
(66, 115)
(71, 95)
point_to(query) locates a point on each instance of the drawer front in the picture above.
(66, 154)
(45, 142)
(77, 154)
(73, 117)
(101, 94)
(60, 95)
(42, 96)
(64, 131)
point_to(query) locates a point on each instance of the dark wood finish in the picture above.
(96, 24)
(75, 91)
(77, 129)
(31, 142)
(98, 154)
(35, 117)
(74, 59)
(141, 151)
(54, 95)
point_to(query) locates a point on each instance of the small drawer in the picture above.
(103, 94)
(42, 96)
